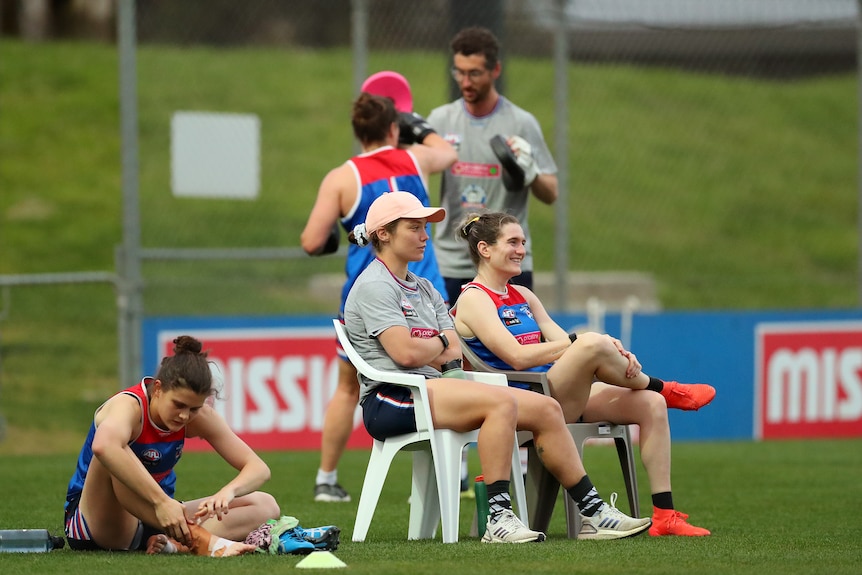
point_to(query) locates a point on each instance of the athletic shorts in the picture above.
(79, 537)
(388, 411)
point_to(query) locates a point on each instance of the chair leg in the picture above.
(627, 464)
(450, 446)
(375, 476)
(518, 488)
(542, 489)
(424, 498)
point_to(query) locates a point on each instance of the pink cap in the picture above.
(391, 85)
(395, 205)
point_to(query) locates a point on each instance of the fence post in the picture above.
(129, 302)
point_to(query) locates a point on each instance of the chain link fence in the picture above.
(723, 76)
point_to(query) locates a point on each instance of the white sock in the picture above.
(327, 477)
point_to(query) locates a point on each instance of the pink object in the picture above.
(392, 85)
(395, 205)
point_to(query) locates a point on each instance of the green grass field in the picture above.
(736, 193)
(778, 507)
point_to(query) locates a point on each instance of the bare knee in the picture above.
(596, 344)
(265, 505)
(543, 413)
(656, 407)
(506, 408)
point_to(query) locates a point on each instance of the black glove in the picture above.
(414, 128)
(331, 245)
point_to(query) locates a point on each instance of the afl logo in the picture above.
(151, 455)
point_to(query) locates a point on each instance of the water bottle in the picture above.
(483, 510)
(29, 541)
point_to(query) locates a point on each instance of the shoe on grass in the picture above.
(324, 538)
(611, 523)
(332, 493)
(508, 529)
(672, 522)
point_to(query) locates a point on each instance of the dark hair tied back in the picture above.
(187, 367)
(187, 344)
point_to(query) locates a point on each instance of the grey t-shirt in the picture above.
(377, 301)
(474, 183)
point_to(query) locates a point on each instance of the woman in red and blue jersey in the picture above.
(121, 496)
(591, 375)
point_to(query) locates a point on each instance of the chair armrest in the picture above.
(487, 377)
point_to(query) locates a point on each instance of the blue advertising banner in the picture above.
(778, 374)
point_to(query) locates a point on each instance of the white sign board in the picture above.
(215, 155)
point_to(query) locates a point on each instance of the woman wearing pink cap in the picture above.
(397, 321)
(343, 200)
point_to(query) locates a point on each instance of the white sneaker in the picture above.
(611, 523)
(509, 529)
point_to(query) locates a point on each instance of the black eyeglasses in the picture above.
(473, 75)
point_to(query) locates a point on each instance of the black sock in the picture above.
(586, 497)
(498, 498)
(655, 385)
(663, 500)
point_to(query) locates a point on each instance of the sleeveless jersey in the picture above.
(515, 313)
(474, 183)
(385, 169)
(158, 450)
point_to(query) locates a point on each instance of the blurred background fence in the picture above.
(661, 114)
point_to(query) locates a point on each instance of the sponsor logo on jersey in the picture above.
(423, 332)
(475, 170)
(529, 338)
(407, 309)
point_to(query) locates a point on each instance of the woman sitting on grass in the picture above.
(509, 328)
(399, 322)
(121, 494)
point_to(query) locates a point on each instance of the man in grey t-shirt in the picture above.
(475, 182)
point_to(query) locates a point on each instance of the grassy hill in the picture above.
(733, 193)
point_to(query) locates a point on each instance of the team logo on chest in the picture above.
(151, 456)
(407, 309)
(508, 316)
(525, 309)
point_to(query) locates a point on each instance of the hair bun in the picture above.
(187, 344)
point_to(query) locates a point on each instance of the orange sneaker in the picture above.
(687, 396)
(672, 522)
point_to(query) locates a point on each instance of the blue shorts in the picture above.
(388, 411)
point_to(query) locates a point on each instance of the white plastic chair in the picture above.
(435, 495)
(542, 487)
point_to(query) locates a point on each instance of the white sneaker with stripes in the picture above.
(509, 529)
(611, 523)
